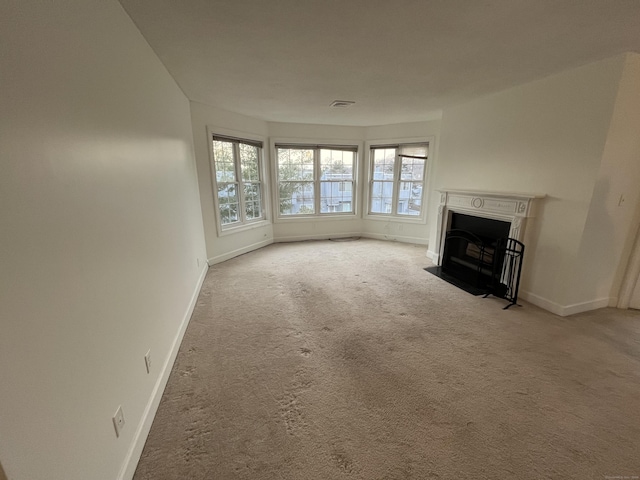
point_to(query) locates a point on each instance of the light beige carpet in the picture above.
(346, 360)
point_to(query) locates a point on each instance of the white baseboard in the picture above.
(239, 251)
(564, 310)
(542, 302)
(586, 306)
(431, 255)
(317, 236)
(375, 236)
(140, 437)
(396, 238)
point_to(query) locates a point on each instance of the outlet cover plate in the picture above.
(118, 421)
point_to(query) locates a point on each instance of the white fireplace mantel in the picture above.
(514, 208)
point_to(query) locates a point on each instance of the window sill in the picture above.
(316, 218)
(381, 217)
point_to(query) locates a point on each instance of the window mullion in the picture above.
(316, 180)
(397, 173)
(372, 167)
(239, 183)
(260, 185)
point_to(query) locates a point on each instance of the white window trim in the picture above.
(316, 217)
(265, 181)
(427, 186)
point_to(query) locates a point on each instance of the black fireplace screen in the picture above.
(482, 265)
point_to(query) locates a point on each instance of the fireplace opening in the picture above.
(470, 251)
(487, 229)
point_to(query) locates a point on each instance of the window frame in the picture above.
(397, 179)
(238, 137)
(316, 145)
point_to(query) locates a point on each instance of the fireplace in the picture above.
(480, 240)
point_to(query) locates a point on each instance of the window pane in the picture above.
(410, 198)
(412, 169)
(249, 163)
(224, 161)
(336, 164)
(383, 161)
(333, 198)
(295, 164)
(228, 202)
(252, 201)
(296, 198)
(381, 197)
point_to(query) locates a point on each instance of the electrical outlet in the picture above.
(147, 361)
(118, 421)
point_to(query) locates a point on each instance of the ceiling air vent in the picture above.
(342, 103)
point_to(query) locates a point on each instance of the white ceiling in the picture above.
(399, 60)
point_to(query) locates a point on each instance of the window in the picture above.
(316, 179)
(397, 179)
(238, 181)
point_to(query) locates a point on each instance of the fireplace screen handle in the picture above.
(505, 279)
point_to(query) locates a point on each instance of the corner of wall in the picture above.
(239, 251)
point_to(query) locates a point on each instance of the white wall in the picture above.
(545, 137)
(205, 118)
(613, 214)
(101, 236)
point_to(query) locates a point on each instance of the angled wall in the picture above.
(296, 229)
(206, 119)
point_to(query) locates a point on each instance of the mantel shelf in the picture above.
(483, 193)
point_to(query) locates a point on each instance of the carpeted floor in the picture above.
(346, 360)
